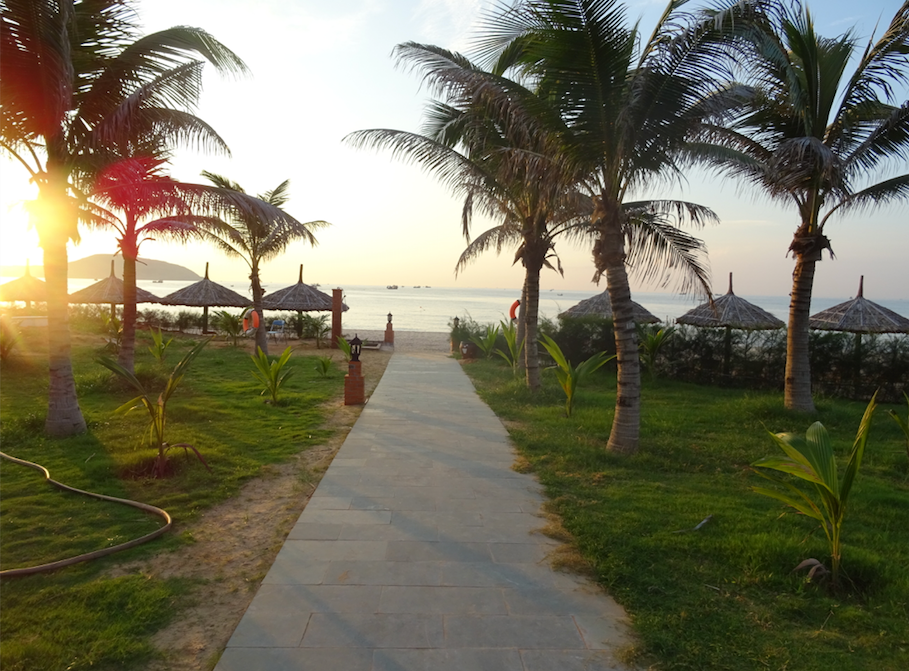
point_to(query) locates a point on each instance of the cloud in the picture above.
(450, 23)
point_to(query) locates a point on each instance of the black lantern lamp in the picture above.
(389, 318)
(456, 322)
(356, 346)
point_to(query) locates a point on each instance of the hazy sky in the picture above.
(322, 70)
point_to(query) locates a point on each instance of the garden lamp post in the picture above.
(354, 384)
(389, 332)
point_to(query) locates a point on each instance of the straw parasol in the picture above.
(859, 316)
(299, 297)
(205, 294)
(26, 288)
(110, 290)
(600, 306)
(731, 312)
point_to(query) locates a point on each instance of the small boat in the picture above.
(157, 281)
(392, 286)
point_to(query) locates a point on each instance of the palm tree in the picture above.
(631, 105)
(502, 170)
(77, 87)
(259, 236)
(816, 136)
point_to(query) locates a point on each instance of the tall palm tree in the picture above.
(631, 104)
(817, 136)
(259, 236)
(502, 169)
(78, 86)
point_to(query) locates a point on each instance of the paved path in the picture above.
(417, 552)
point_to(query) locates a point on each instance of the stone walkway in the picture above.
(417, 552)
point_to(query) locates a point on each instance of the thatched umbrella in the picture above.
(859, 316)
(26, 288)
(731, 312)
(110, 290)
(600, 306)
(205, 294)
(300, 298)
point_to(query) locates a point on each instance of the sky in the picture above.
(322, 70)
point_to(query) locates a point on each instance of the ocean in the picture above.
(430, 309)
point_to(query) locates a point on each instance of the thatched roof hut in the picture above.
(205, 294)
(26, 288)
(299, 298)
(110, 290)
(732, 312)
(860, 316)
(601, 306)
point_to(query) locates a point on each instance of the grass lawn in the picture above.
(81, 617)
(724, 596)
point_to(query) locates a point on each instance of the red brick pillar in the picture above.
(354, 384)
(336, 307)
(389, 335)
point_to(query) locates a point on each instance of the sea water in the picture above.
(431, 309)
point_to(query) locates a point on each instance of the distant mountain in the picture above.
(98, 267)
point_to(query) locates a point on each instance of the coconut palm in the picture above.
(79, 90)
(143, 203)
(501, 170)
(259, 236)
(817, 136)
(631, 104)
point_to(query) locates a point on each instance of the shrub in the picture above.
(273, 374)
(156, 405)
(812, 460)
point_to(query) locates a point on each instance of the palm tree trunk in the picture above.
(262, 331)
(522, 326)
(626, 426)
(64, 417)
(609, 258)
(531, 309)
(797, 394)
(127, 355)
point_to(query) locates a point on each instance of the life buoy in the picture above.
(250, 319)
(513, 313)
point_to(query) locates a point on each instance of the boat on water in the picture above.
(157, 281)
(392, 286)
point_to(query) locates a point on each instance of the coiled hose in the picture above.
(53, 566)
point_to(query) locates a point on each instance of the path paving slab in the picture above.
(419, 551)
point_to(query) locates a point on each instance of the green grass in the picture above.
(725, 596)
(78, 618)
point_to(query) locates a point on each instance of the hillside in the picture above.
(97, 267)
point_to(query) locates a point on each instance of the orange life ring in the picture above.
(513, 313)
(250, 319)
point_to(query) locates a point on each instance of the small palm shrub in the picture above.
(324, 365)
(273, 374)
(811, 459)
(231, 325)
(159, 346)
(570, 376)
(344, 346)
(513, 348)
(157, 406)
(487, 342)
(652, 340)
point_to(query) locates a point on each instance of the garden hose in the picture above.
(29, 570)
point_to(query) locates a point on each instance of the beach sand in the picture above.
(407, 341)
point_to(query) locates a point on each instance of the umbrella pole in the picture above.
(299, 325)
(857, 379)
(205, 317)
(727, 350)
